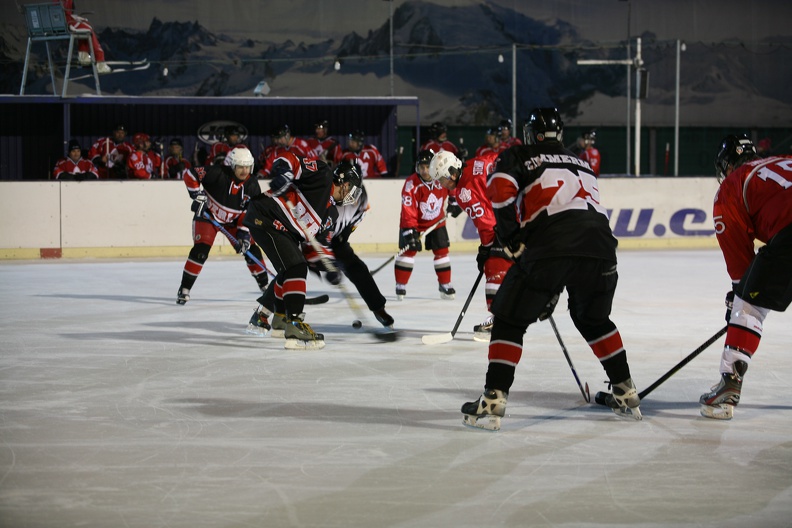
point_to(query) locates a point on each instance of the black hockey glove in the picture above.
(243, 241)
(729, 305)
(483, 255)
(453, 207)
(334, 277)
(282, 177)
(548, 310)
(199, 203)
(411, 240)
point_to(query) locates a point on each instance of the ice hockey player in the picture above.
(754, 202)
(590, 153)
(368, 157)
(322, 145)
(307, 185)
(468, 180)
(505, 132)
(335, 242)
(282, 142)
(223, 191)
(74, 167)
(567, 245)
(175, 163)
(422, 205)
(232, 138)
(101, 149)
(438, 140)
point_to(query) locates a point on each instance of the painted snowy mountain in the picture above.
(447, 56)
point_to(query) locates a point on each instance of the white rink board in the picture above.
(151, 218)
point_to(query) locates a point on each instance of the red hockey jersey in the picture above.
(753, 203)
(422, 203)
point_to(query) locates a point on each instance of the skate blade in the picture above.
(488, 422)
(181, 302)
(256, 330)
(719, 411)
(481, 337)
(278, 333)
(448, 296)
(387, 334)
(629, 413)
(300, 344)
(400, 297)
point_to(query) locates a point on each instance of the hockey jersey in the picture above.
(471, 195)
(310, 193)
(68, 169)
(423, 203)
(226, 196)
(299, 147)
(549, 198)
(754, 202)
(371, 162)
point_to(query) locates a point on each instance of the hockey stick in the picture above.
(404, 250)
(439, 339)
(600, 396)
(319, 299)
(384, 334)
(586, 394)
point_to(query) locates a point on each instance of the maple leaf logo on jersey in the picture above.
(464, 195)
(432, 208)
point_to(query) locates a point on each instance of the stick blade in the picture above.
(437, 339)
(319, 299)
(386, 335)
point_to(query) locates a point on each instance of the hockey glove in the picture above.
(548, 310)
(453, 208)
(334, 277)
(243, 242)
(282, 177)
(729, 305)
(483, 255)
(514, 249)
(411, 240)
(199, 203)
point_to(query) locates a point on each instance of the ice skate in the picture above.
(401, 292)
(84, 58)
(279, 324)
(624, 400)
(384, 318)
(724, 396)
(183, 295)
(447, 292)
(483, 331)
(259, 324)
(487, 411)
(300, 336)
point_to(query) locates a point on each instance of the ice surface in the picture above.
(120, 408)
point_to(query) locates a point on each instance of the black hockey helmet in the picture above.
(231, 130)
(358, 135)
(281, 131)
(543, 125)
(590, 136)
(505, 124)
(424, 158)
(437, 129)
(734, 151)
(349, 172)
(322, 123)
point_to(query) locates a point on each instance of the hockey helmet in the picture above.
(239, 157)
(74, 145)
(322, 123)
(281, 131)
(437, 129)
(590, 136)
(424, 158)
(543, 125)
(444, 164)
(349, 172)
(140, 138)
(505, 124)
(734, 151)
(358, 135)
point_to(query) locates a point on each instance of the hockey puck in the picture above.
(356, 323)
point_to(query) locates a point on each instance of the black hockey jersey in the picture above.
(550, 198)
(227, 197)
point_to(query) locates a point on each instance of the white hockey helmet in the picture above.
(442, 163)
(239, 157)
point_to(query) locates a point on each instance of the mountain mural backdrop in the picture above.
(449, 57)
